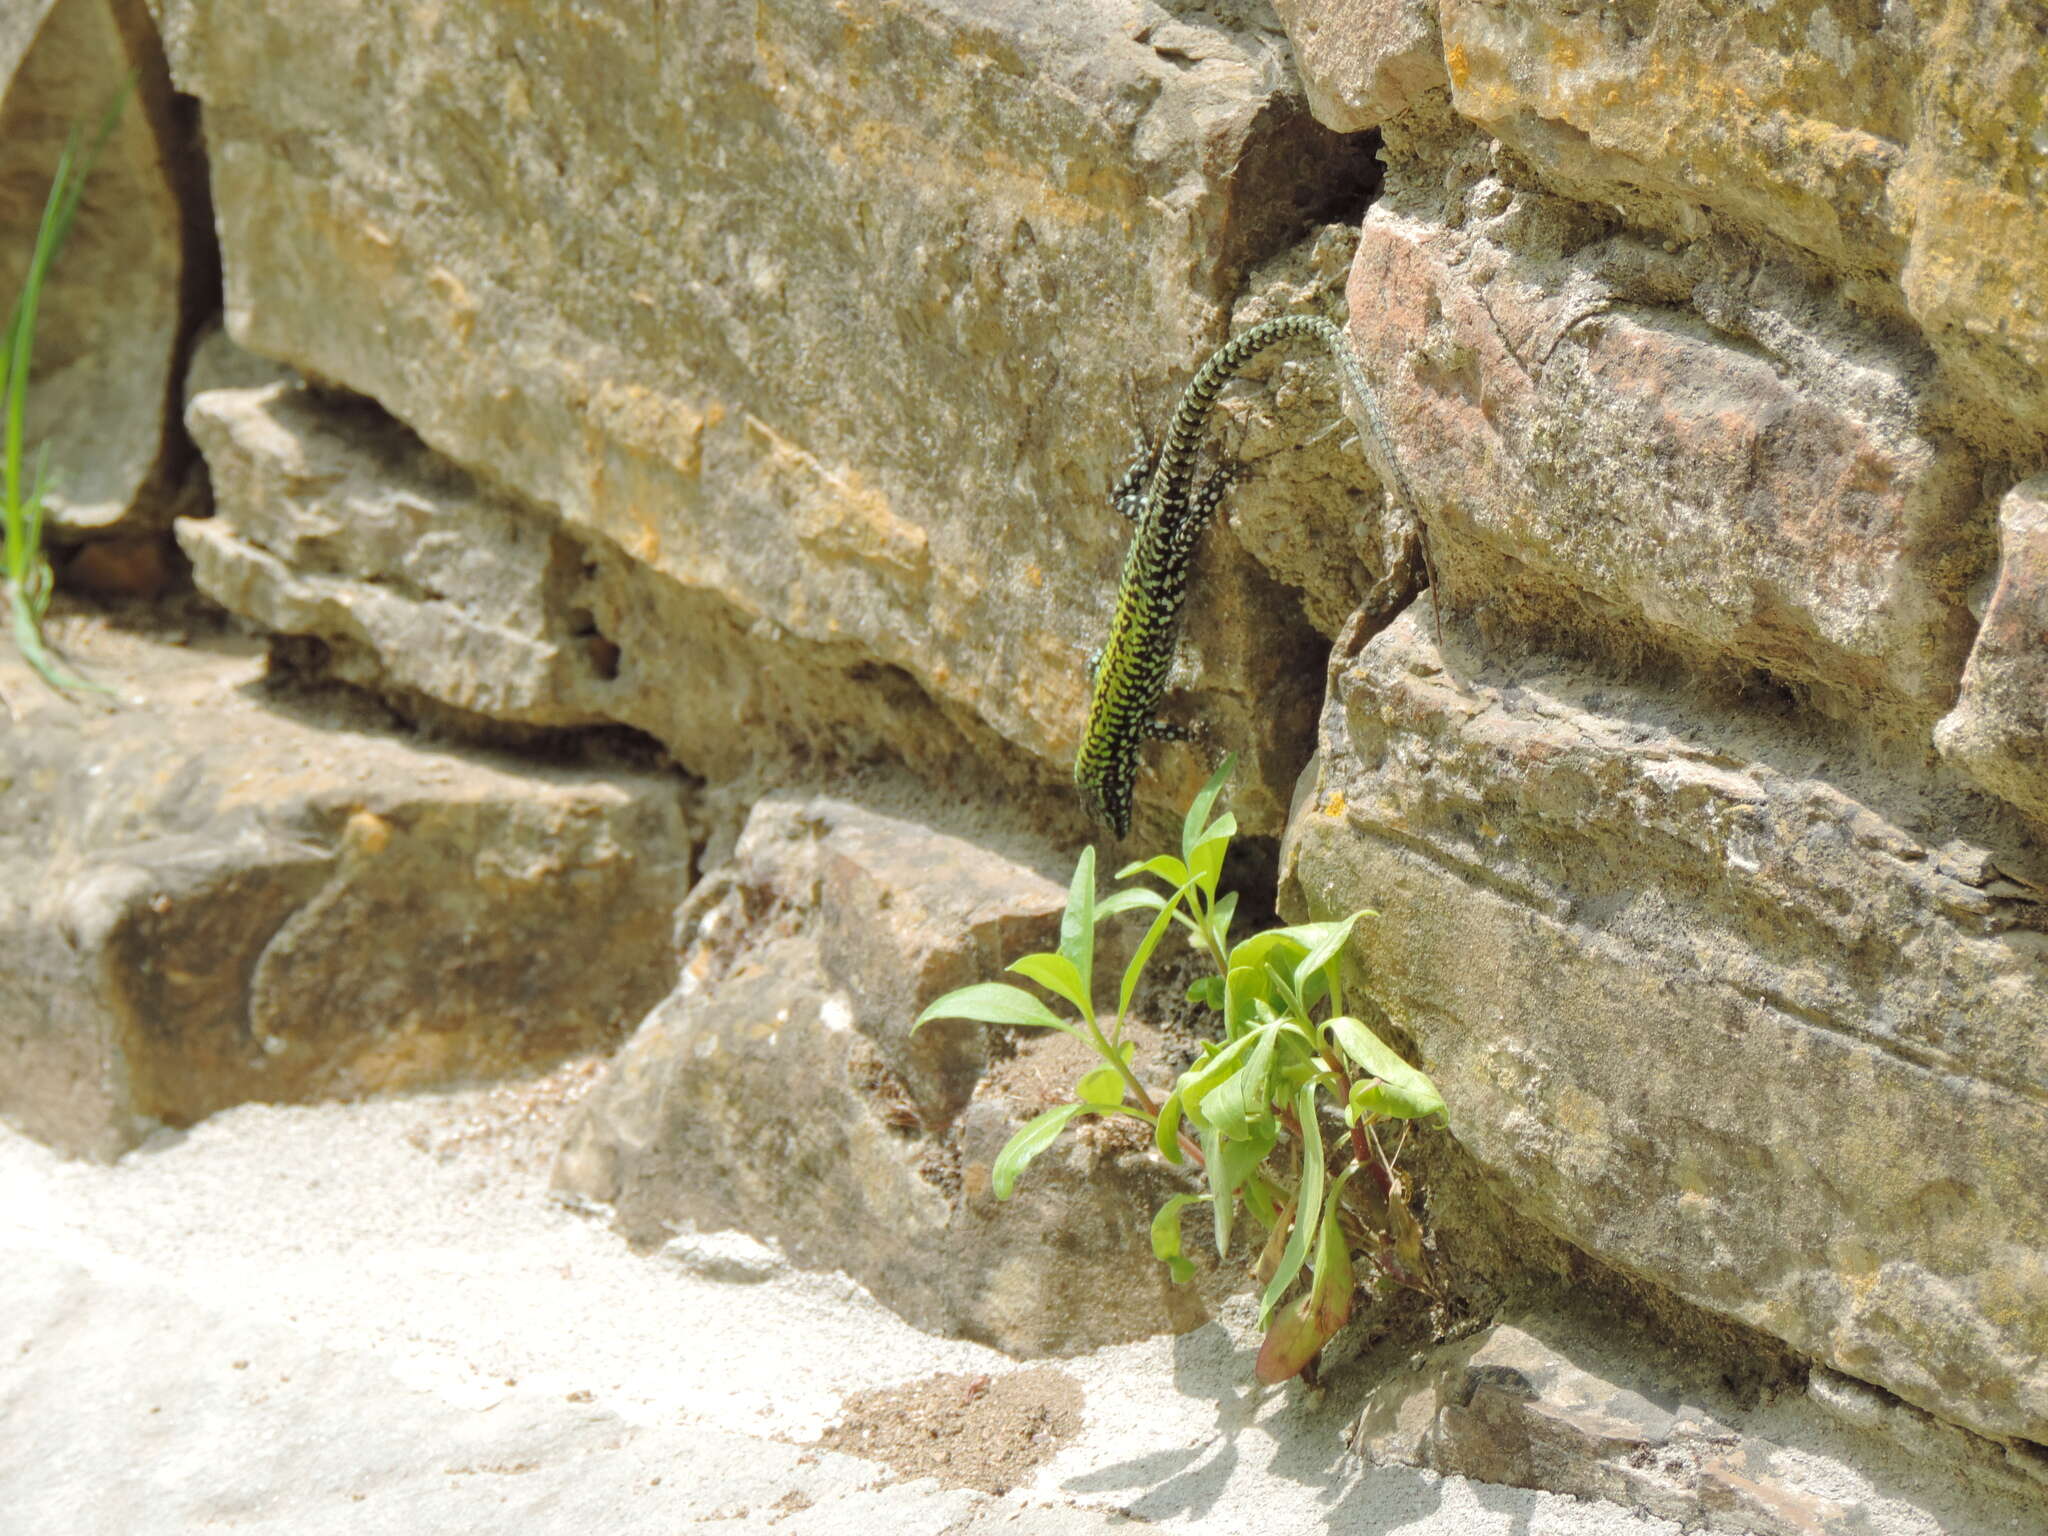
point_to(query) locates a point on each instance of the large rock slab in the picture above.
(778, 1091)
(1998, 731)
(1544, 1402)
(1897, 143)
(209, 896)
(116, 312)
(1632, 448)
(396, 570)
(1714, 999)
(828, 315)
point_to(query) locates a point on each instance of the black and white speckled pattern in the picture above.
(1171, 511)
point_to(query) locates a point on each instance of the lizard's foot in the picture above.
(1127, 495)
(1169, 730)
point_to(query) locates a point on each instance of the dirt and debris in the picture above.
(987, 1432)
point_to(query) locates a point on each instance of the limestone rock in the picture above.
(470, 608)
(1364, 61)
(828, 318)
(1998, 731)
(776, 1091)
(212, 897)
(1632, 448)
(333, 522)
(1714, 1001)
(1902, 143)
(1544, 1403)
(114, 315)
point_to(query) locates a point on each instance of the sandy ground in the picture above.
(372, 1318)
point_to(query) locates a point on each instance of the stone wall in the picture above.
(753, 378)
(1722, 421)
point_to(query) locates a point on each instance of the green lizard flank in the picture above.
(1158, 493)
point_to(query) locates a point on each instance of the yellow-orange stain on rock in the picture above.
(365, 834)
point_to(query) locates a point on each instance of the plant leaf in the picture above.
(1077, 927)
(1124, 900)
(1035, 1136)
(1166, 1238)
(1056, 974)
(1290, 1343)
(1206, 867)
(1101, 1089)
(1143, 955)
(1194, 826)
(1278, 947)
(1407, 1230)
(1166, 1130)
(1276, 1241)
(1164, 865)
(1230, 1164)
(1330, 1297)
(1220, 914)
(1308, 1198)
(1390, 1087)
(995, 1002)
(1324, 950)
(1206, 1075)
(1243, 990)
(1238, 1106)
(1207, 990)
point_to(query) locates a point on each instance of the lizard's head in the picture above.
(1105, 796)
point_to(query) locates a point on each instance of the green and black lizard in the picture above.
(1159, 494)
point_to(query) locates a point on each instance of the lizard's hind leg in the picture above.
(1127, 495)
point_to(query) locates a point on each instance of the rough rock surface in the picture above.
(114, 317)
(1714, 342)
(209, 894)
(1897, 141)
(1689, 450)
(1544, 1403)
(1759, 1027)
(1998, 731)
(468, 607)
(828, 318)
(778, 1090)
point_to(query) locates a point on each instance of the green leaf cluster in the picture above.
(26, 571)
(1283, 1111)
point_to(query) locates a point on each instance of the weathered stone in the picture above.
(671, 278)
(1975, 188)
(1635, 448)
(113, 317)
(1909, 144)
(473, 609)
(1541, 1403)
(207, 898)
(1998, 731)
(777, 1092)
(1719, 1004)
(1790, 120)
(333, 521)
(1308, 506)
(1364, 61)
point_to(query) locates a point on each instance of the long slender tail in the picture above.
(1184, 430)
(1382, 449)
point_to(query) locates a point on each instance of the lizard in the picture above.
(1159, 494)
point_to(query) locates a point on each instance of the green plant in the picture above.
(27, 567)
(1283, 1113)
